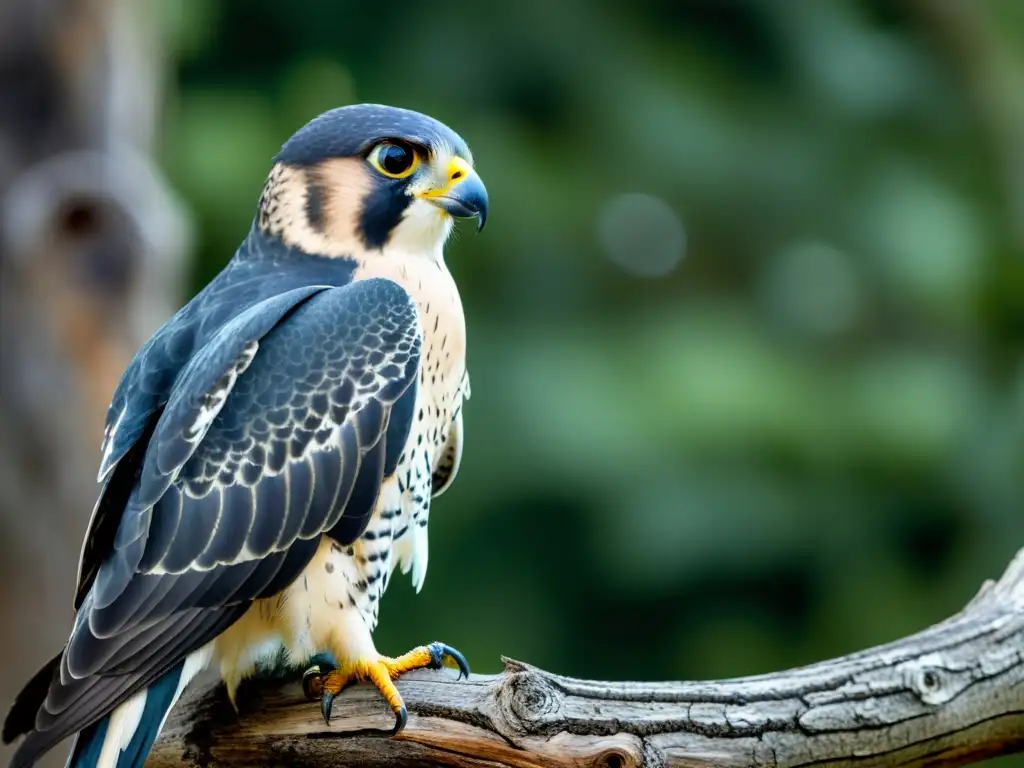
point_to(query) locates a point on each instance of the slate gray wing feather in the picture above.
(252, 278)
(201, 383)
(280, 429)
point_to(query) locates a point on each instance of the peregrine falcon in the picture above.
(270, 454)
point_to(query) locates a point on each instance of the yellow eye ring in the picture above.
(396, 161)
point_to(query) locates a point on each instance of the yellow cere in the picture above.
(458, 171)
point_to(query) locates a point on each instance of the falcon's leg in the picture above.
(324, 681)
(329, 612)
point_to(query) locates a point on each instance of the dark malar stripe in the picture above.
(314, 201)
(383, 208)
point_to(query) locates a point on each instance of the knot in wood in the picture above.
(933, 683)
(530, 701)
(615, 758)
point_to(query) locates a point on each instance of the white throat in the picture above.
(423, 231)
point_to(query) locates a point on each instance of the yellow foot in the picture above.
(324, 682)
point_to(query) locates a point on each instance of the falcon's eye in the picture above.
(394, 160)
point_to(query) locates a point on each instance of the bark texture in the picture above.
(949, 695)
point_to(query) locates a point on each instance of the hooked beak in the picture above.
(463, 195)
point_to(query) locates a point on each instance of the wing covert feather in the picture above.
(280, 434)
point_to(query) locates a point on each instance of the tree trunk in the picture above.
(93, 250)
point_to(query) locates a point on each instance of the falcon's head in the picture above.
(369, 178)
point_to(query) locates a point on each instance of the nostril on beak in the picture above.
(457, 175)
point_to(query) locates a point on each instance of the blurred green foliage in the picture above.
(805, 436)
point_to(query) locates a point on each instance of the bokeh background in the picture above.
(746, 325)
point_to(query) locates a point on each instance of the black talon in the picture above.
(440, 651)
(313, 687)
(461, 662)
(401, 718)
(314, 676)
(326, 702)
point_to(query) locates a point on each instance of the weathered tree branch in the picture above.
(949, 695)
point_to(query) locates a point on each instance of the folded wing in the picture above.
(279, 429)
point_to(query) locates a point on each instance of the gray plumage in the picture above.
(202, 533)
(268, 413)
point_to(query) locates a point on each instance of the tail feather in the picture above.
(22, 717)
(124, 737)
(89, 745)
(159, 700)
